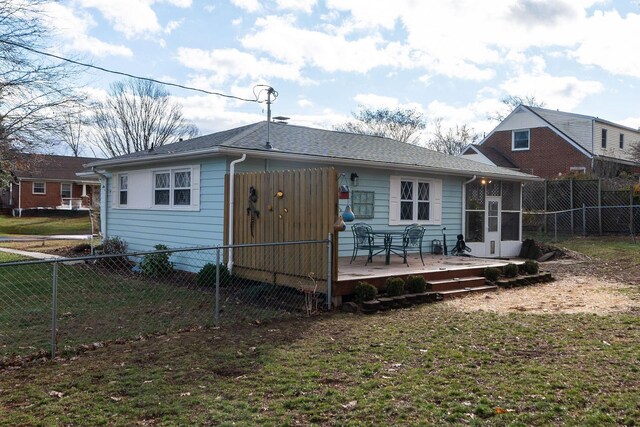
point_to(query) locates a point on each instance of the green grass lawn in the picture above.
(607, 248)
(44, 226)
(425, 366)
(428, 365)
(6, 257)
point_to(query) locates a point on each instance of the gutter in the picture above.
(232, 169)
(379, 165)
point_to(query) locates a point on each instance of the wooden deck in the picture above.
(436, 267)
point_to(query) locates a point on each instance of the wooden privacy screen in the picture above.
(292, 205)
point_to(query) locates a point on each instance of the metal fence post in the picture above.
(555, 226)
(571, 203)
(600, 207)
(584, 220)
(631, 227)
(546, 206)
(54, 309)
(329, 270)
(217, 303)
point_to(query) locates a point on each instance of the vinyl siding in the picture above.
(145, 228)
(378, 182)
(613, 141)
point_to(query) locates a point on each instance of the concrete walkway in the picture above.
(40, 238)
(36, 255)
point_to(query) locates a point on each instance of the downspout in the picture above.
(464, 199)
(103, 201)
(232, 169)
(19, 198)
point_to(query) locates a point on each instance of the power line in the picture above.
(120, 73)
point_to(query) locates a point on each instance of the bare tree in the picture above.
(139, 115)
(73, 132)
(511, 102)
(452, 140)
(33, 90)
(635, 150)
(401, 124)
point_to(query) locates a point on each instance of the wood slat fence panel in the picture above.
(306, 211)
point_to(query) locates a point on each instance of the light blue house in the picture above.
(175, 194)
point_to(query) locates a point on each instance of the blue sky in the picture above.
(452, 60)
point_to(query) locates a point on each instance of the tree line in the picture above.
(41, 106)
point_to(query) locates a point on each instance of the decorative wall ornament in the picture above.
(252, 212)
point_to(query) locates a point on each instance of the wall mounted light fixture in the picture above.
(354, 179)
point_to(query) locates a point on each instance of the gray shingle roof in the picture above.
(51, 167)
(323, 145)
(575, 126)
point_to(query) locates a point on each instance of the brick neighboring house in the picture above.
(50, 182)
(550, 143)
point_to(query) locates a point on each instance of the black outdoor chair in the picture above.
(461, 248)
(363, 238)
(411, 241)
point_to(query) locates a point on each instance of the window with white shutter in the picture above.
(415, 201)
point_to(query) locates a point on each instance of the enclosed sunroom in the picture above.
(493, 217)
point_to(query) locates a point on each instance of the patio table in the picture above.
(388, 239)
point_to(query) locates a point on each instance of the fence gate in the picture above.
(284, 206)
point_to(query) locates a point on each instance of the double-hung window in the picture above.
(622, 141)
(520, 140)
(603, 138)
(415, 200)
(123, 190)
(39, 188)
(172, 188)
(65, 190)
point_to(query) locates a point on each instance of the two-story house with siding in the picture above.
(550, 144)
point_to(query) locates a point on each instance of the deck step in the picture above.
(456, 293)
(457, 283)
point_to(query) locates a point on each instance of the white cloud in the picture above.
(305, 6)
(179, 3)
(226, 64)
(563, 93)
(74, 27)
(632, 122)
(375, 101)
(171, 26)
(281, 38)
(250, 6)
(304, 103)
(130, 17)
(609, 40)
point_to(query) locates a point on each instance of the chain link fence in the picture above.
(562, 208)
(61, 306)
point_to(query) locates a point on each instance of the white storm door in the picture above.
(492, 227)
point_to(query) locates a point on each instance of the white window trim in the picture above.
(435, 200)
(141, 189)
(44, 188)
(172, 172)
(513, 139)
(70, 189)
(604, 138)
(580, 169)
(120, 189)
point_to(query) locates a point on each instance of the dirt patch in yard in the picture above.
(578, 294)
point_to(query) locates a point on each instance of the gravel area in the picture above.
(578, 294)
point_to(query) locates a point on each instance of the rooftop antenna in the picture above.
(271, 92)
